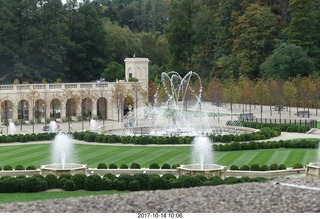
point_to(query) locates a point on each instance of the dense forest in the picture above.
(77, 41)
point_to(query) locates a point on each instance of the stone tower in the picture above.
(137, 68)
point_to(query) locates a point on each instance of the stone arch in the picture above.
(71, 107)
(40, 110)
(86, 108)
(6, 112)
(55, 109)
(102, 106)
(23, 111)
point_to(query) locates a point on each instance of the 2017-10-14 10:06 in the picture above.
(160, 215)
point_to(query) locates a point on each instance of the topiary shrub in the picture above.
(108, 184)
(274, 167)
(113, 166)
(189, 181)
(156, 182)
(244, 179)
(234, 167)
(78, 180)
(124, 166)
(69, 185)
(165, 166)
(216, 180)
(33, 184)
(52, 181)
(282, 167)
(31, 167)
(265, 168)
(102, 166)
(19, 167)
(9, 184)
(174, 166)
(93, 183)
(244, 167)
(7, 167)
(134, 185)
(168, 176)
(135, 166)
(231, 180)
(255, 167)
(143, 179)
(297, 166)
(154, 166)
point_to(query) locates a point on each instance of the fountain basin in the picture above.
(207, 170)
(313, 169)
(57, 169)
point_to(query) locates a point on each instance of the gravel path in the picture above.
(286, 195)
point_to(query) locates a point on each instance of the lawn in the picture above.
(92, 155)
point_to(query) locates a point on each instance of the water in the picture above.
(53, 126)
(62, 150)
(202, 151)
(93, 125)
(11, 129)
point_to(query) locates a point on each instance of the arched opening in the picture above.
(6, 112)
(71, 108)
(55, 110)
(40, 111)
(86, 108)
(102, 108)
(23, 111)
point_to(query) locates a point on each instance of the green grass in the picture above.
(92, 155)
(25, 197)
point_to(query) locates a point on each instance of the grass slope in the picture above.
(92, 155)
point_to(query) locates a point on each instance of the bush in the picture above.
(297, 166)
(102, 166)
(216, 180)
(245, 179)
(7, 167)
(231, 180)
(189, 181)
(19, 167)
(124, 166)
(52, 181)
(168, 176)
(265, 168)
(174, 166)
(134, 185)
(93, 183)
(143, 179)
(31, 167)
(234, 167)
(244, 167)
(156, 182)
(165, 166)
(274, 166)
(79, 180)
(33, 184)
(108, 184)
(9, 185)
(120, 185)
(282, 167)
(135, 166)
(69, 185)
(154, 166)
(255, 167)
(113, 166)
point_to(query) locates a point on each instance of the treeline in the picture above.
(44, 40)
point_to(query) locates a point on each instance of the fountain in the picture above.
(11, 129)
(314, 168)
(53, 126)
(62, 156)
(93, 125)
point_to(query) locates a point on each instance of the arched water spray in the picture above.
(62, 150)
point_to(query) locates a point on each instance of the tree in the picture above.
(139, 95)
(261, 94)
(118, 97)
(290, 92)
(32, 96)
(113, 72)
(287, 61)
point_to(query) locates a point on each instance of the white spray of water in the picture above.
(11, 129)
(93, 125)
(202, 151)
(62, 150)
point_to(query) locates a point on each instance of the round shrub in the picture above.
(61, 182)
(274, 167)
(234, 167)
(78, 180)
(244, 179)
(168, 176)
(69, 185)
(156, 182)
(143, 179)
(135, 166)
(165, 166)
(189, 181)
(31, 167)
(282, 167)
(9, 185)
(154, 166)
(113, 166)
(93, 183)
(110, 176)
(19, 167)
(102, 166)
(108, 184)
(265, 168)
(65, 176)
(297, 166)
(174, 166)
(255, 167)
(231, 180)
(244, 167)
(52, 181)
(216, 180)
(124, 166)
(7, 167)
(134, 185)
(32, 184)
